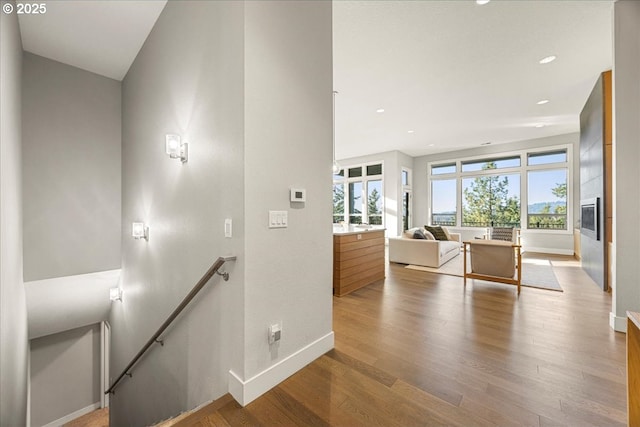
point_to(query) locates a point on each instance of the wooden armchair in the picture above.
(493, 260)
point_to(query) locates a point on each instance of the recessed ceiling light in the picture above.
(380, 110)
(481, 2)
(547, 59)
(540, 125)
(542, 102)
(431, 145)
(410, 131)
(486, 143)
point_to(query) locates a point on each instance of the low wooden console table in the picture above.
(358, 258)
(633, 368)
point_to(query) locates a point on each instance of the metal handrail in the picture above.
(154, 339)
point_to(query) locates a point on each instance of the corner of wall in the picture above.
(245, 391)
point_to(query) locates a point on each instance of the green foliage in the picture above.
(338, 199)
(552, 220)
(373, 211)
(488, 202)
(338, 203)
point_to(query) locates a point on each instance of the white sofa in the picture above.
(427, 253)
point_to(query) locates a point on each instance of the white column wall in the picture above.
(626, 146)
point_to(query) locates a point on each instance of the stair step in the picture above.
(189, 418)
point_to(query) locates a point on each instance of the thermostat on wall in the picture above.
(298, 195)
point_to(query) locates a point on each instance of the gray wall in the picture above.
(626, 294)
(65, 373)
(592, 249)
(14, 345)
(251, 86)
(71, 170)
(288, 116)
(187, 79)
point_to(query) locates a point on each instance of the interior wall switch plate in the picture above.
(228, 227)
(278, 219)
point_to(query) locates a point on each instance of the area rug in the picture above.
(536, 273)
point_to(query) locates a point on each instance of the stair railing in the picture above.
(155, 338)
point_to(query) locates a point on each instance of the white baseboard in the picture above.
(617, 323)
(553, 251)
(246, 391)
(67, 418)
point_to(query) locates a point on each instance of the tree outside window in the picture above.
(547, 207)
(491, 200)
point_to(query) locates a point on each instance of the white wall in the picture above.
(541, 241)
(187, 79)
(68, 362)
(71, 170)
(14, 345)
(626, 146)
(250, 84)
(288, 114)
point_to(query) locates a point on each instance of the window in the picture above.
(491, 201)
(363, 195)
(547, 208)
(546, 158)
(405, 177)
(476, 165)
(338, 202)
(527, 189)
(443, 169)
(355, 172)
(374, 202)
(407, 201)
(444, 202)
(355, 202)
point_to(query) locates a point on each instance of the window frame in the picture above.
(523, 170)
(364, 179)
(406, 189)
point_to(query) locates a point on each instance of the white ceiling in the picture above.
(456, 73)
(459, 74)
(101, 36)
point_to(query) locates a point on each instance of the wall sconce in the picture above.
(140, 231)
(115, 294)
(177, 149)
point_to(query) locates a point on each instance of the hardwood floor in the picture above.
(97, 418)
(421, 350)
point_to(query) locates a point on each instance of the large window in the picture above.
(361, 187)
(491, 201)
(527, 189)
(444, 202)
(547, 208)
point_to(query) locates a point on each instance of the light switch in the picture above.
(228, 227)
(278, 219)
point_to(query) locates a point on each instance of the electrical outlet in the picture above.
(275, 333)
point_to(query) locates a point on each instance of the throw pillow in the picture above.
(428, 235)
(446, 231)
(418, 234)
(408, 234)
(437, 232)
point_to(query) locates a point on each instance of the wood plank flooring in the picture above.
(419, 349)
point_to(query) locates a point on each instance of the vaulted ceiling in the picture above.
(448, 74)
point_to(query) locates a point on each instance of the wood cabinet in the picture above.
(633, 368)
(358, 259)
